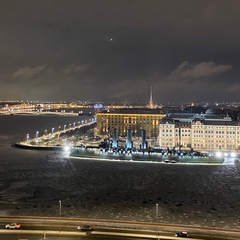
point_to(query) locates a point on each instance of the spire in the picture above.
(151, 100)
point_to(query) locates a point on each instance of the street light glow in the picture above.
(66, 148)
(60, 208)
(218, 154)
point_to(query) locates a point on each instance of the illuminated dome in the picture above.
(210, 111)
(214, 111)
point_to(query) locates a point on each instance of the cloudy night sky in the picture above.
(115, 50)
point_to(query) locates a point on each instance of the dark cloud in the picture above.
(27, 72)
(114, 50)
(204, 69)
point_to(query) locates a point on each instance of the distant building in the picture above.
(207, 131)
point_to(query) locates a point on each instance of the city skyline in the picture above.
(113, 50)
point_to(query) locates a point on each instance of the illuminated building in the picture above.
(130, 121)
(200, 132)
(134, 119)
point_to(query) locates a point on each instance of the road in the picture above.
(59, 229)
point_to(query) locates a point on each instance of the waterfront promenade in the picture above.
(75, 137)
(56, 139)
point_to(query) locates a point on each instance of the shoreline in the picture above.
(90, 154)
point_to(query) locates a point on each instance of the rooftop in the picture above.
(134, 111)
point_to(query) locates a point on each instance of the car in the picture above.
(182, 234)
(86, 228)
(13, 225)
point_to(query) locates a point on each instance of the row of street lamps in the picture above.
(60, 209)
(64, 128)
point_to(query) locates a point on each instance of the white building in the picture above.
(200, 132)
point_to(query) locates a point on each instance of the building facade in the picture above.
(134, 119)
(200, 133)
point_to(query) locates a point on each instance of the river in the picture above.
(32, 182)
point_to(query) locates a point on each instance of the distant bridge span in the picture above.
(37, 113)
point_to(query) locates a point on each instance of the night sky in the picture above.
(115, 50)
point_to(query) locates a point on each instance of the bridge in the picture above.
(20, 112)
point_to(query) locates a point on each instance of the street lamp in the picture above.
(44, 234)
(157, 209)
(37, 132)
(27, 138)
(60, 208)
(52, 130)
(64, 127)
